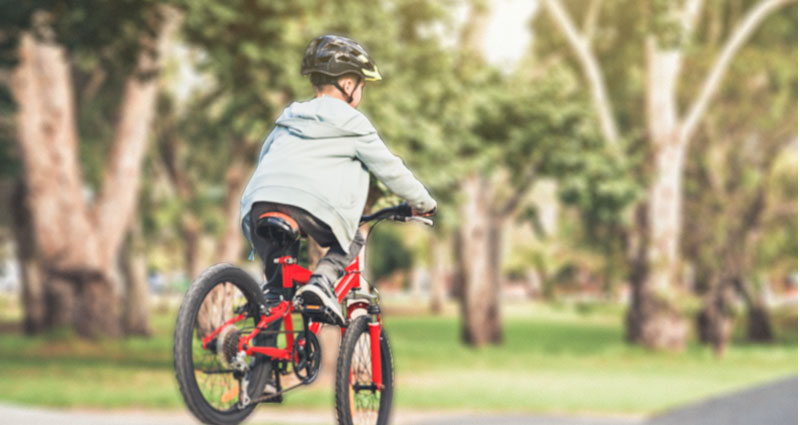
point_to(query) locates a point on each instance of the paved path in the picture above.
(13, 415)
(488, 419)
(771, 404)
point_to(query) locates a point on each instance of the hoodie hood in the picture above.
(324, 117)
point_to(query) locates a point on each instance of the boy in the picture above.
(314, 167)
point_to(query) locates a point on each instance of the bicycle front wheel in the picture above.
(358, 402)
(207, 358)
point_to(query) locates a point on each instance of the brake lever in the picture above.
(423, 220)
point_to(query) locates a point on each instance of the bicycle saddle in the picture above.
(278, 227)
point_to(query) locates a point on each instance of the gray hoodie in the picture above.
(318, 157)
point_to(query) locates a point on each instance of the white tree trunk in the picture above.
(591, 70)
(480, 309)
(440, 273)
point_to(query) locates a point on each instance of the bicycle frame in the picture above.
(292, 272)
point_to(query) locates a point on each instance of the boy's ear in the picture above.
(345, 79)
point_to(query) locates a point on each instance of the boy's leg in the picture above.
(320, 288)
(333, 264)
(267, 251)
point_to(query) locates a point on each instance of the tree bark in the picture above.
(715, 321)
(590, 68)
(190, 230)
(759, 327)
(651, 320)
(66, 242)
(133, 265)
(33, 297)
(77, 245)
(440, 273)
(230, 250)
(478, 283)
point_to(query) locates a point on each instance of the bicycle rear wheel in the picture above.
(208, 377)
(357, 401)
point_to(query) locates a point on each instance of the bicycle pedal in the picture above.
(320, 313)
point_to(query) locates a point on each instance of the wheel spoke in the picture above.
(213, 372)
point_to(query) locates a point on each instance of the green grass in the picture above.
(554, 359)
(561, 360)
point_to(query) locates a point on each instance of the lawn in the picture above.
(555, 359)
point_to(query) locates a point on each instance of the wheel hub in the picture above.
(228, 346)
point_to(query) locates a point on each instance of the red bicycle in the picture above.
(221, 361)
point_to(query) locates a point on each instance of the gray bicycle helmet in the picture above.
(334, 56)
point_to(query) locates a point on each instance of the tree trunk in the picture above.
(136, 307)
(419, 275)
(759, 327)
(715, 321)
(230, 250)
(439, 274)
(98, 306)
(77, 246)
(66, 242)
(190, 230)
(217, 308)
(33, 297)
(479, 294)
(651, 320)
(60, 301)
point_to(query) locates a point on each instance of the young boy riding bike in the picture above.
(313, 173)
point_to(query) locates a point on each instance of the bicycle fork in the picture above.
(375, 345)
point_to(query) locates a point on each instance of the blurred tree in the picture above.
(210, 146)
(77, 240)
(734, 174)
(667, 30)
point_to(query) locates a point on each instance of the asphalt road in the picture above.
(771, 404)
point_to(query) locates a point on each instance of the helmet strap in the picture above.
(350, 95)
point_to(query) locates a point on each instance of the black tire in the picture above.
(365, 406)
(234, 289)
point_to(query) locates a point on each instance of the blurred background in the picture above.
(617, 187)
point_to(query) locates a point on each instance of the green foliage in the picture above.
(97, 33)
(102, 40)
(741, 185)
(387, 252)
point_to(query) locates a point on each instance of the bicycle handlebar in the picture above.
(401, 212)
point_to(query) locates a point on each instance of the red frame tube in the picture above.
(293, 272)
(216, 332)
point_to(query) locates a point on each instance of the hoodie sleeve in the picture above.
(390, 170)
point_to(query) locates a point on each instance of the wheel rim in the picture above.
(365, 402)
(214, 376)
